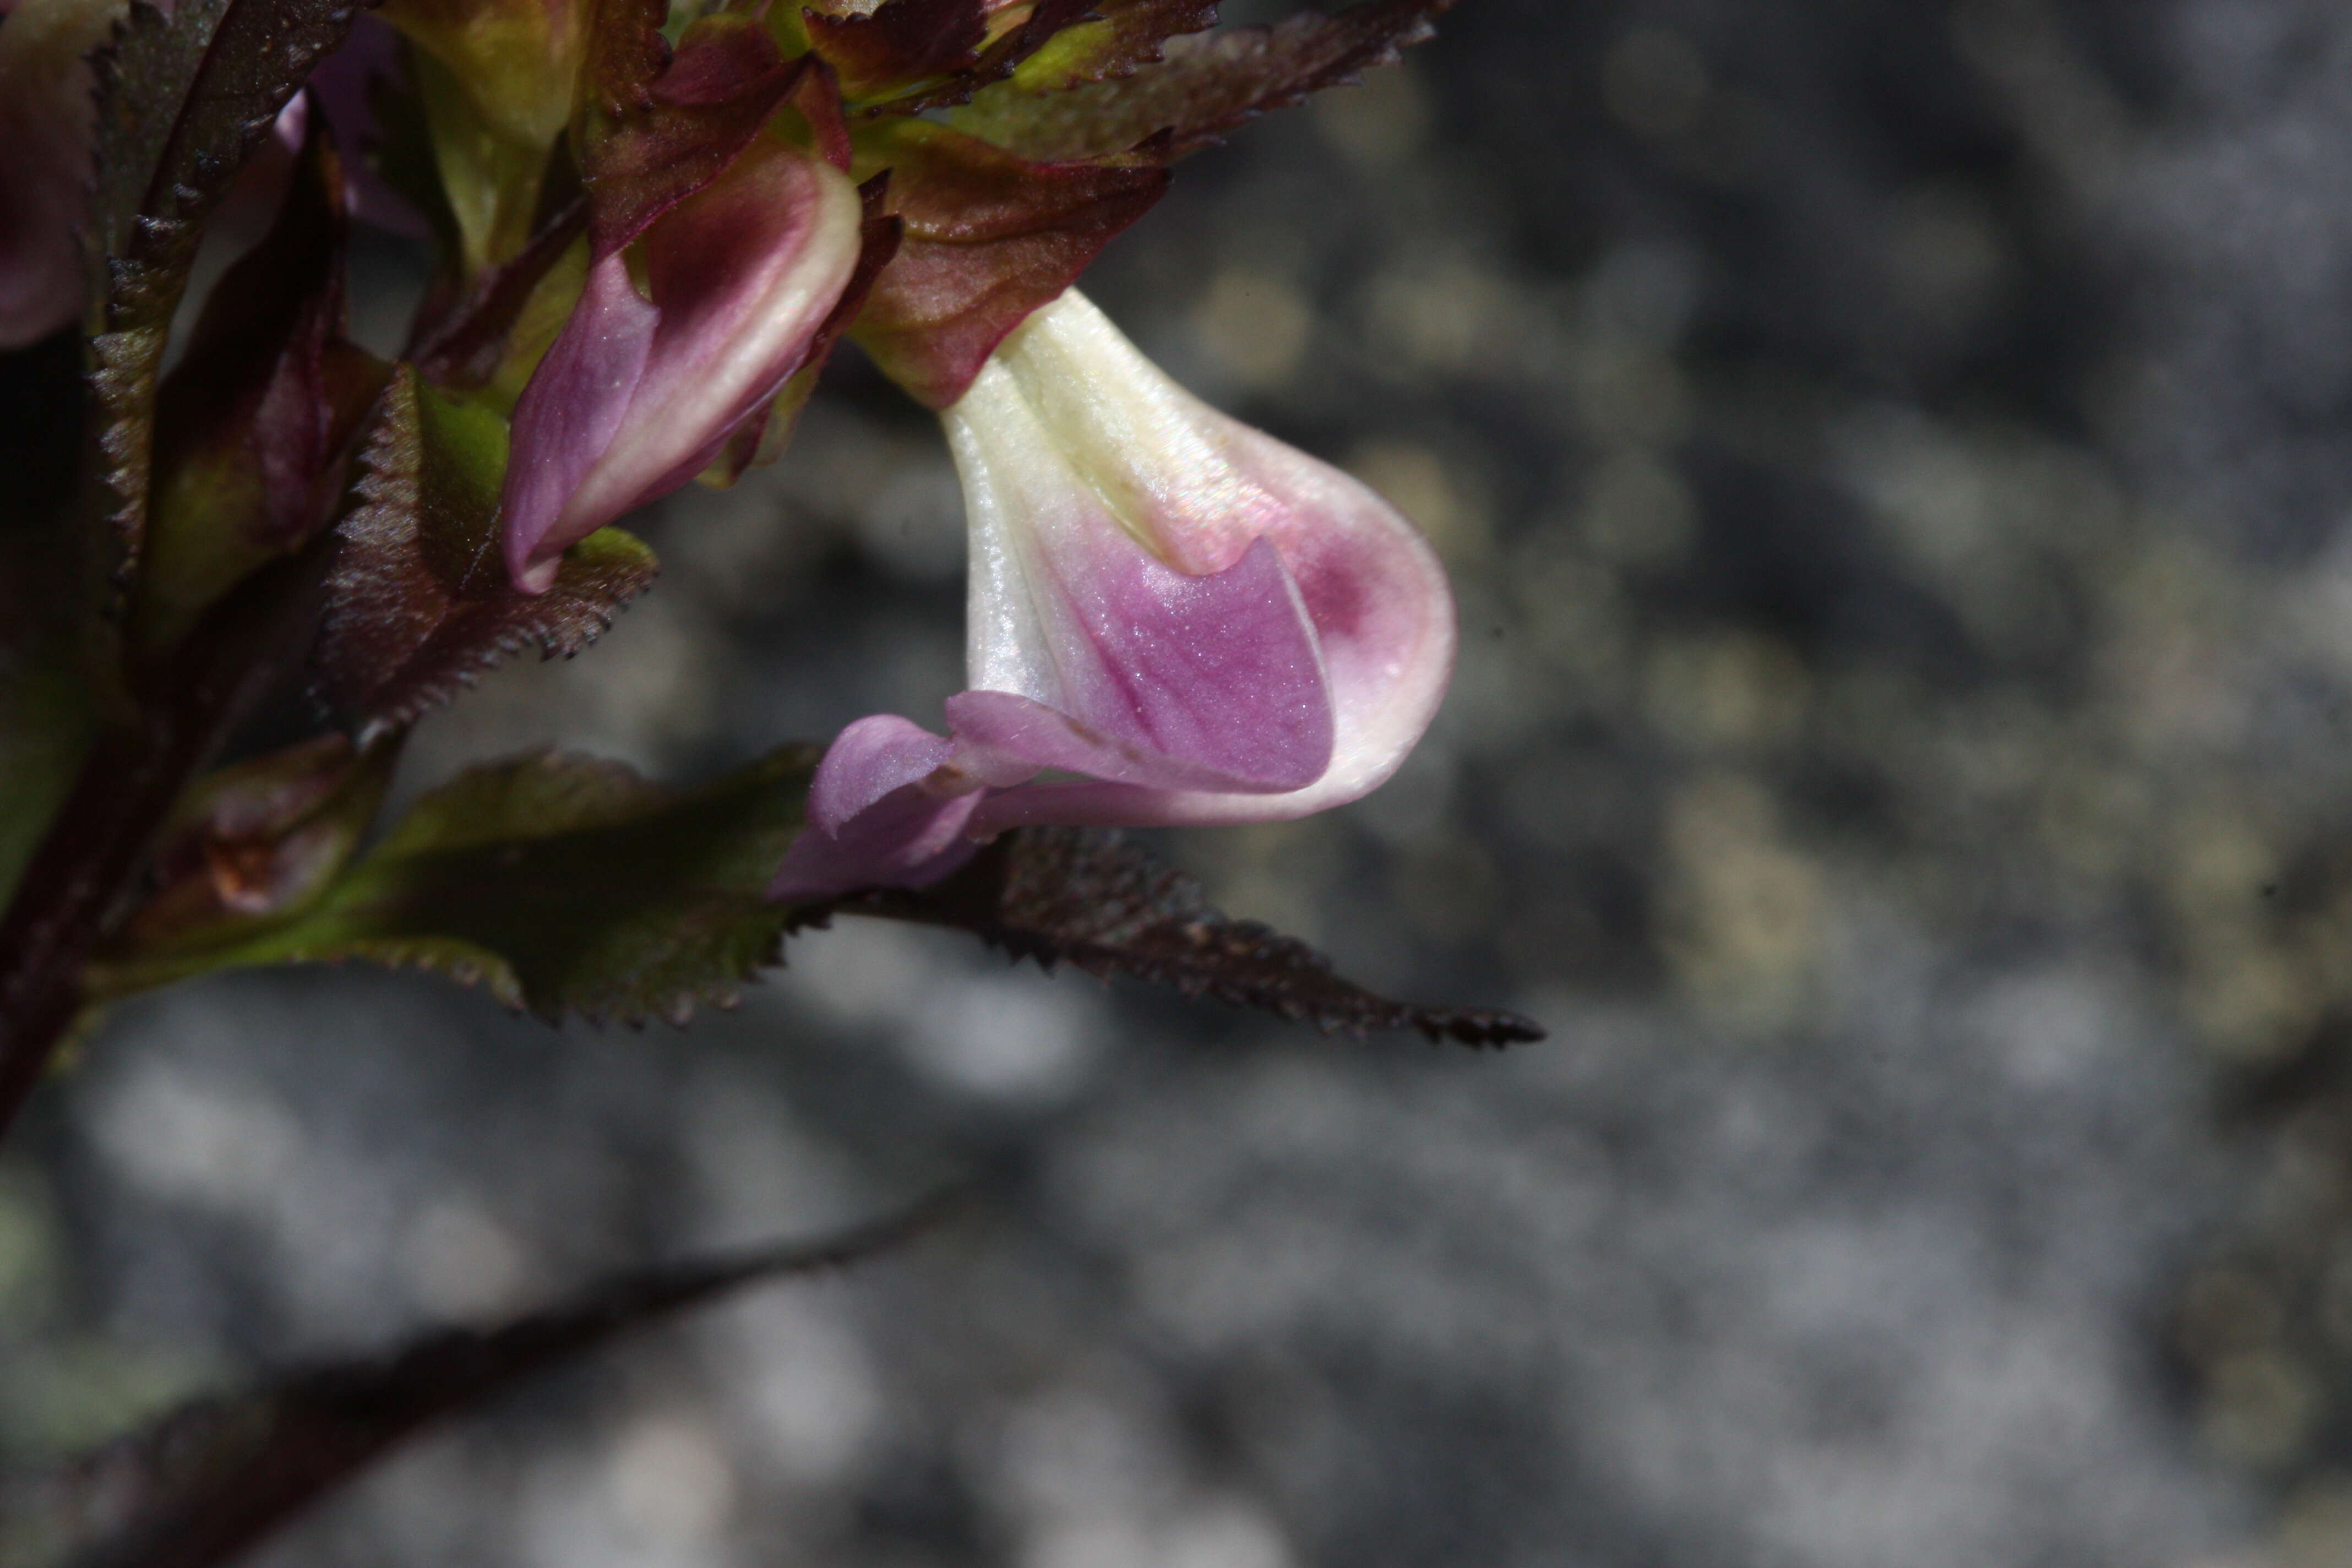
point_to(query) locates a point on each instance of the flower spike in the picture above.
(638, 394)
(1178, 618)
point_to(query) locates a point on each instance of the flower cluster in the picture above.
(655, 228)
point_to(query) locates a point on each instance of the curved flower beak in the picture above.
(638, 394)
(1179, 617)
(45, 124)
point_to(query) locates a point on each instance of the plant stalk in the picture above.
(81, 878)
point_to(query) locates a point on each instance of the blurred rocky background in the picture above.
(1894, 456)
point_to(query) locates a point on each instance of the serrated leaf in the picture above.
(198, 1487)
(419, 603)
(626, 52)
(1206, 86)
(988, 237)
(144, 76)
(561, 884)
(1127, 35)
(258, 413)
(1088, 897)
(903, 43)
(942, 63)
(181, 101)
(660, 140)
(259, 840)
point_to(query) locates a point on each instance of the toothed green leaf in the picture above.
(182, 102)
(1206, 86)
(561, 884)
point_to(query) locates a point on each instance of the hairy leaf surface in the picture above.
(562, 884)
(258, 411)
(419, 603)
(988, 237)
(1204, 86)
(182, 102)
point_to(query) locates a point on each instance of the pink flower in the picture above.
(1173, 618)
(641, 391)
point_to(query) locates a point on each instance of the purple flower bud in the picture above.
(638, 394)
(1177, 617)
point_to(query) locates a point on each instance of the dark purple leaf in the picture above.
(182, 102)
(998, 60)
(676, 133)
(1126, 36)
(465, 348)
(1206, 86)
(989, 238)
(252, 424)
(419, 602)
(1065, 44)
(1088, 897)
(905, 43)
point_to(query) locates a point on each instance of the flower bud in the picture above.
(638, 395)
(1184, 619)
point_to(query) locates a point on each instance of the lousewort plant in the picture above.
(651, 228)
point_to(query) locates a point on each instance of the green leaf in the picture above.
(490, 180)
(1127, 35)
(182, 102)
(563, 884)
(1204, 86)
(418, 603)
(144, 76)
(1089, 898)
(262, 405)
(651, 142)
(264, 838)
(198, 1487)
